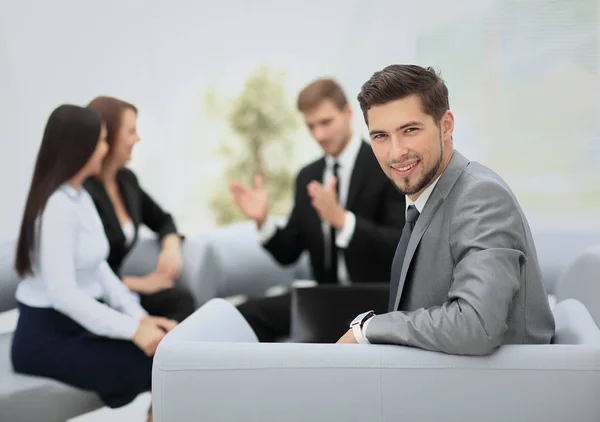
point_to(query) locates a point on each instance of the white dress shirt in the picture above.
(346, 161)
(71, 272)
(419, 204)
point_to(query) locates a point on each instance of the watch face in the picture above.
(359, 319)
(356, 320)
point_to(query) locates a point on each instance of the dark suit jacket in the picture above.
(141, 208)
(380, 213)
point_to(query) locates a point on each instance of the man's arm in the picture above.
(286, 244)
(485, 236)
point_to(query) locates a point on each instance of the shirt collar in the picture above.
(348, 155)
(422, 199)
(71, 191)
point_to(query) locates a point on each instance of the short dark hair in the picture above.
(398, 81)
(318, 90)
(111, 110)
(70, 139)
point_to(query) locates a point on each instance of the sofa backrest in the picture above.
(581, 280)
(240, 265)
(556, 249)
(574, 324)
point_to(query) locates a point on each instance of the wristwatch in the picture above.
(357, 324)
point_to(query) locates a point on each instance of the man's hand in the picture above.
(348, 338)
(254, 203)
(325, 202)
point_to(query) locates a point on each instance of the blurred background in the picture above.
(523, 77)
(216, 83)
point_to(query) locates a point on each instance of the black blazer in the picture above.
(380, 213)
(141, 209)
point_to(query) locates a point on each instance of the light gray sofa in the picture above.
(584, 282)
(25, 398)
(557, 249)
(212, 368)
(235, 264)
(224, 262)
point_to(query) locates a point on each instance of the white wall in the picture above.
(162, 56)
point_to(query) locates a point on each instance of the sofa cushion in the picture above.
(25, 398)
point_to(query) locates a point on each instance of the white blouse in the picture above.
(71, 271)
(129, 232)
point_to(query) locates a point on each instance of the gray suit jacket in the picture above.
(471, 279)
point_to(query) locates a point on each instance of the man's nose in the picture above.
(398, 148)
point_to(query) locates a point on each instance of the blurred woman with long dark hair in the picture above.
(77, 323)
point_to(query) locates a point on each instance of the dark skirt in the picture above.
(49, 344)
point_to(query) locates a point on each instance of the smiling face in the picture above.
(411, 147)
(126, 137)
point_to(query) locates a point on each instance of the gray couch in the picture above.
(225, 262)
(25, 398)
(212, 368)
(215, 265)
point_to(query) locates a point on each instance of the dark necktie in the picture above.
(333, 250)
(411, 217)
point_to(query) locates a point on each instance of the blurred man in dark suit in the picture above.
(347, 214)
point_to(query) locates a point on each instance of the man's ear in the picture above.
(348, 111)
(447, 125)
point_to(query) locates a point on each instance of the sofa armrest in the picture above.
(8, 276)
(221, 374)
(580, 281)
(216, 321)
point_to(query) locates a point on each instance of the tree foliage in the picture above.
(260, 121)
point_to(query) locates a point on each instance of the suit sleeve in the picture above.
(380, 237)
(288, 243)
(153, 216)
(486, 233)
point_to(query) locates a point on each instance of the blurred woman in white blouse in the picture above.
(78, 323)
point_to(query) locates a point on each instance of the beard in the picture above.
(404, 185)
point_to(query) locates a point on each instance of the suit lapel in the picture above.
(440, 192)
(128, 194)
(105, 208)
(433, 203)
(358, 174)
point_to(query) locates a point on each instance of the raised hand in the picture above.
(253, 202)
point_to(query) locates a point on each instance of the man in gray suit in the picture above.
(465, 277)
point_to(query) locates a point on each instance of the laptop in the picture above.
(322, 314)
